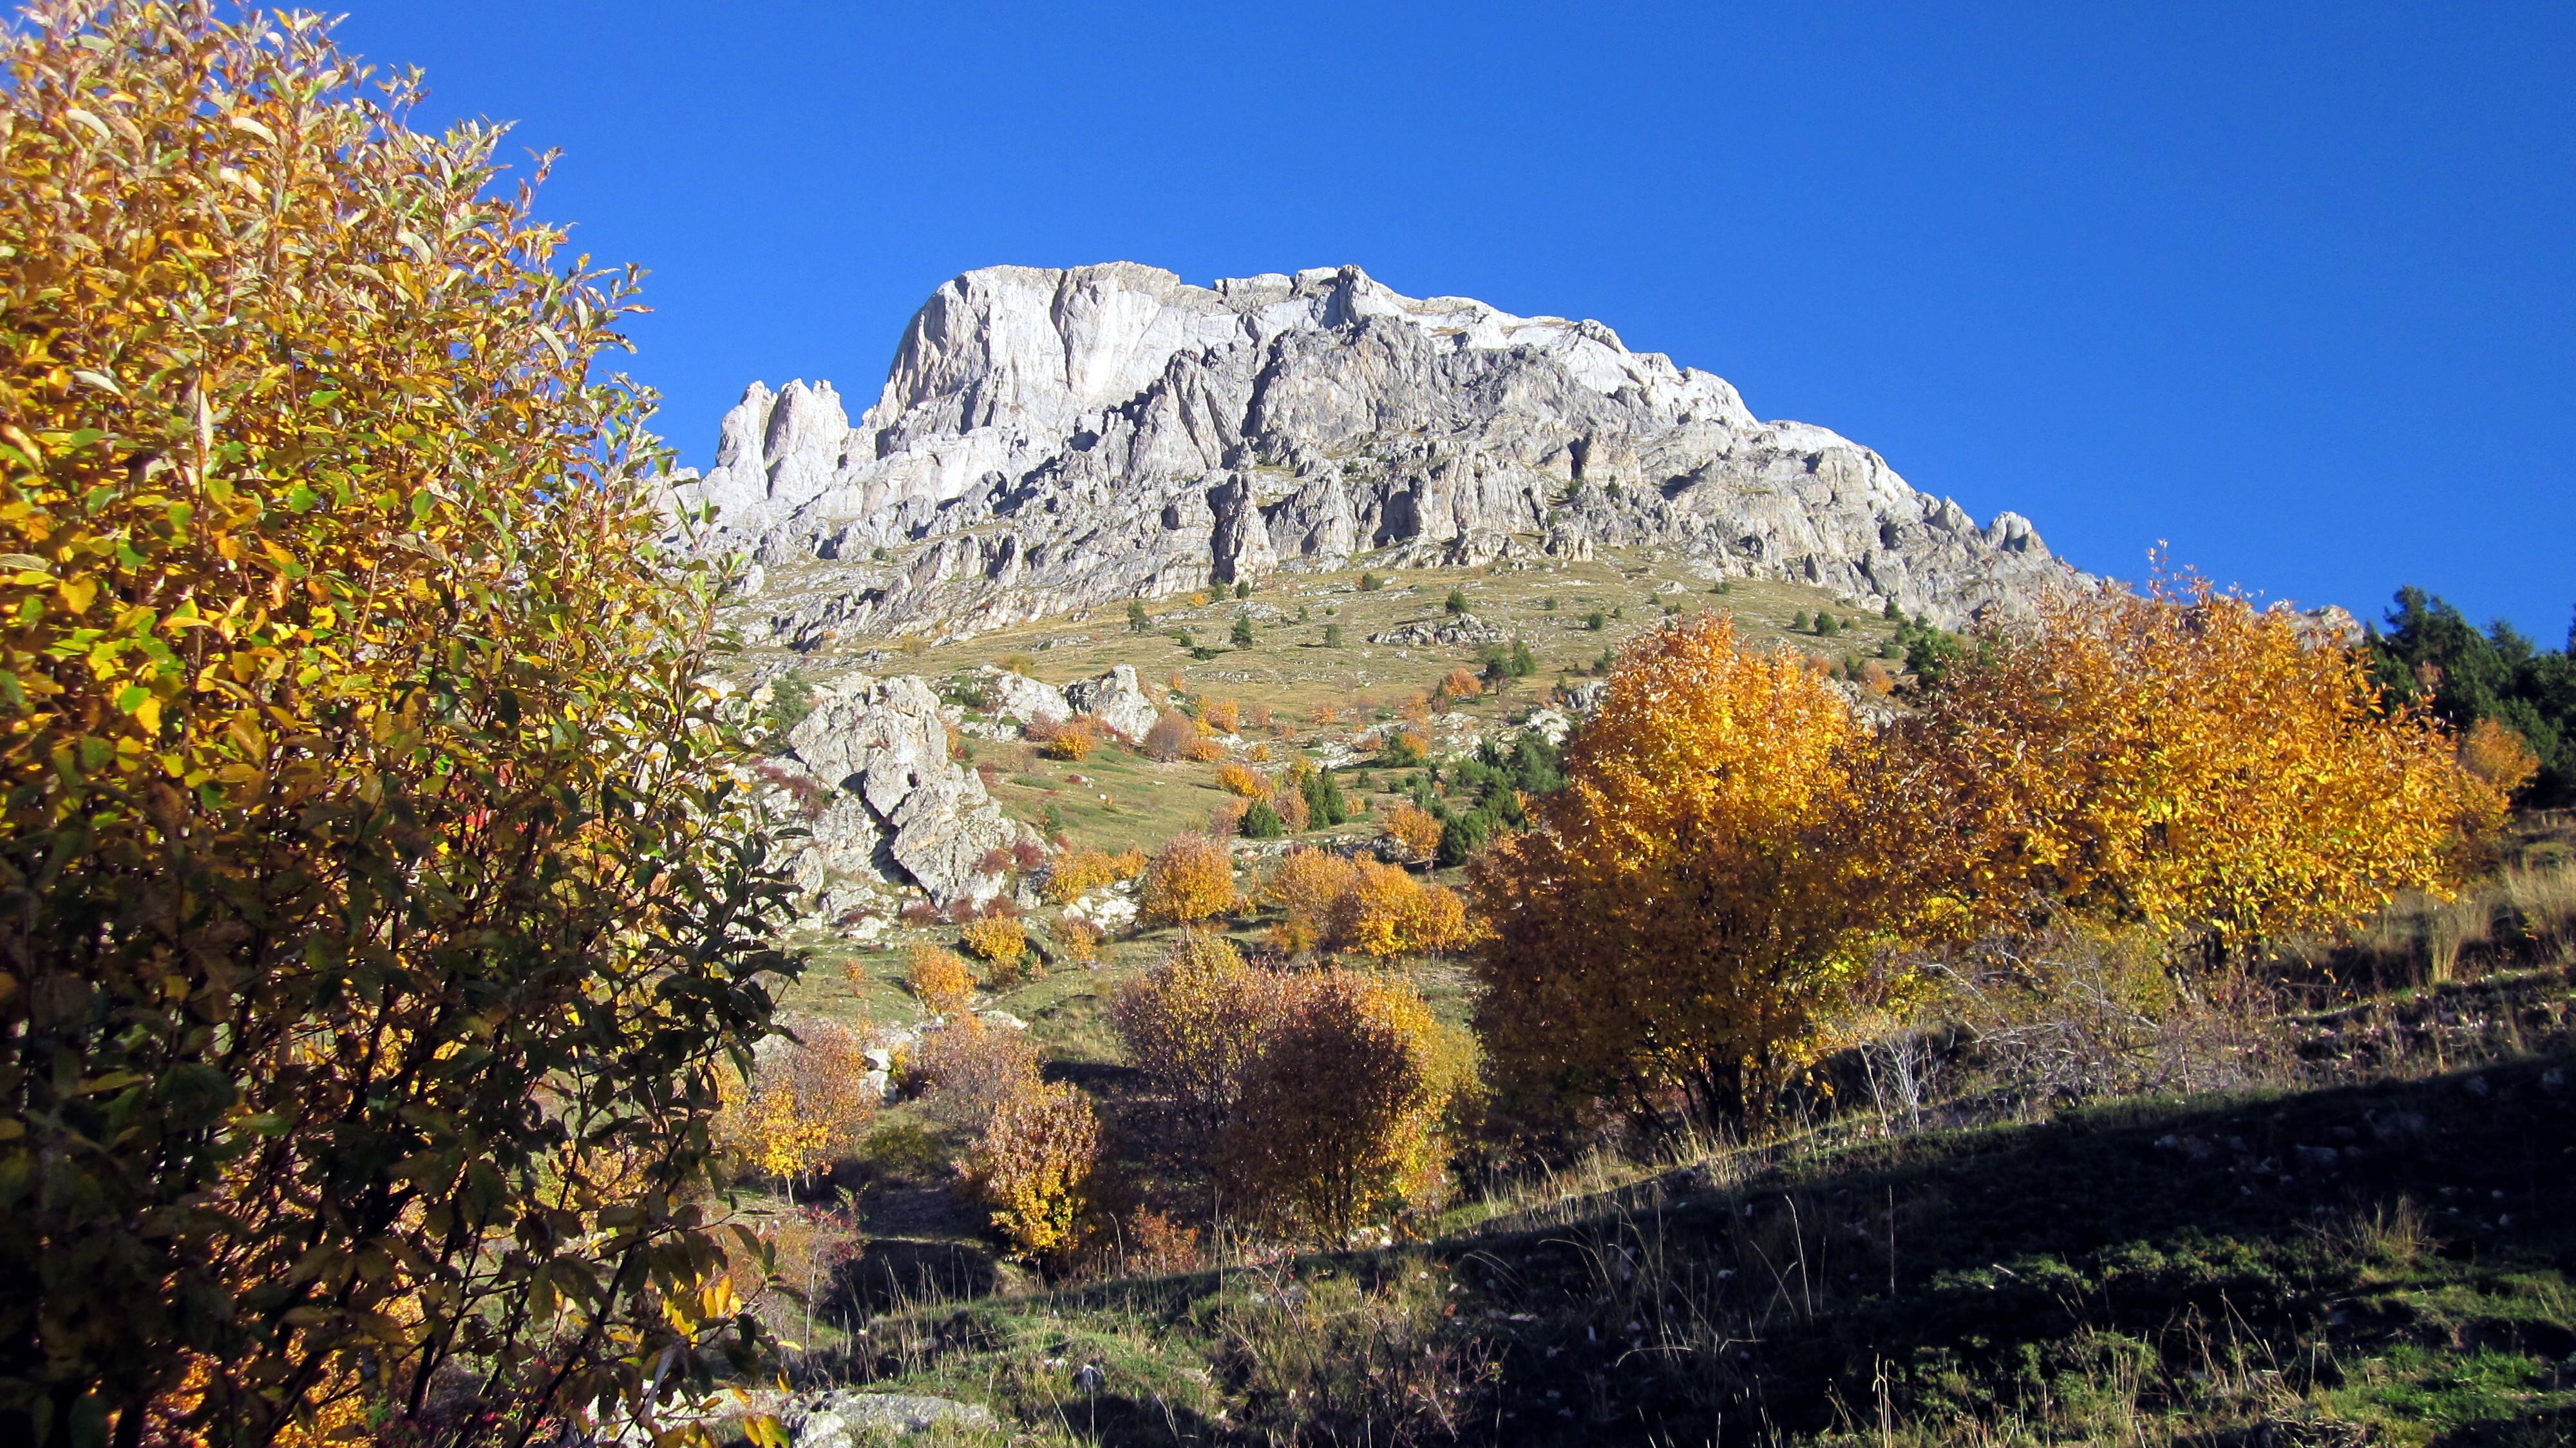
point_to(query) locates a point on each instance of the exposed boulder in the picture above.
(1466, 628)
(1024, 700)
(1117, 701)
(845, 1419)
(883, 800)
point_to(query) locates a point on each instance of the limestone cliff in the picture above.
(1049, 440)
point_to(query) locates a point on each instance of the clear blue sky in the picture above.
(2289, 285)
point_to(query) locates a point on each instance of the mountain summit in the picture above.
(1056, 439)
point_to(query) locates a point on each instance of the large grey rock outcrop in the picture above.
(1023, 700)
(1048, 440)
(891, 803)
(1464, 629)
(1116, 700)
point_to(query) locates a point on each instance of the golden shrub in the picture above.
(1326, 714)
(1081, 941)
(1222, 715)
(1416, 709)
(1074, 739)
(1341, 1104)
(1076, 873)
(1876, 679)
(1202, 749)
(1461, 684)
(806, 1104)
(2498, 755)
(1079, 871)
(1032, 1165)
(1307, 889)
(1189, 1024)
(1191, 879)
(1242, 779)
(1413, 830)
(939, 980)
(1384, 911)
(1000, 939)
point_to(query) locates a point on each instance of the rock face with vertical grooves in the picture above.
(1050, 440)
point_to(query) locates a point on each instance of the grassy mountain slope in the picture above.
(2387, 1261)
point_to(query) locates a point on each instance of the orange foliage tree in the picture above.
(1077, 872)
(1413, 829)
(2179, 762)
(1378, 910)
(1242, 779)
(1384, 912)
(1032, 1166)
(1341, 1105)
(1072, 740)
(1306, 889)
(1696, 896)
(939, 979)
(1190, 880)
(381, 912)
(1000, 939)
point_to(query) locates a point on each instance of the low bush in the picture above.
(1412, 830)
(1072, 740)
(999, 939)
(938, 979)
(1032, 1165)
(1191, 879)
(1171, 737)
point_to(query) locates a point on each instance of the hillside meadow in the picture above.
(1663, 1016)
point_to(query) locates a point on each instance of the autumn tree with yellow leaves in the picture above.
(804, 1105)
(1032, 1166)
(1699, 893)
(1190, 880)
(2178, 762)
(382, 916)
(1732, 849)
(1189, 1025)
(1341, 1106)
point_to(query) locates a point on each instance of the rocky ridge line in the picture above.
(1054, 440)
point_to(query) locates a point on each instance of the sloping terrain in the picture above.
(2185, 1271)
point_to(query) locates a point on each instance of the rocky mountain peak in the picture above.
(1055, 439)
